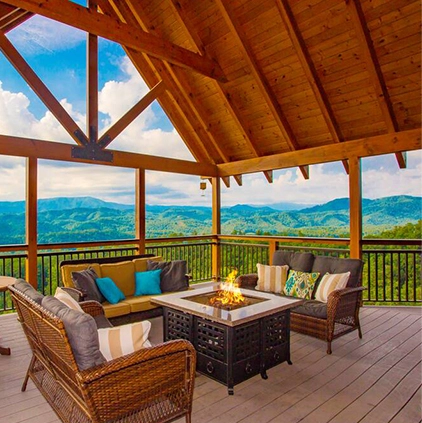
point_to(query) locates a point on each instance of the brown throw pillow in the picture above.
(85, 281)
(173, 274)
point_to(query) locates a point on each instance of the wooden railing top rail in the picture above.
(287, 239)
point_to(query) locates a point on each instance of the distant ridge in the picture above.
(77, 219)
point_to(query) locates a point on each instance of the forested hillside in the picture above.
(90, 219)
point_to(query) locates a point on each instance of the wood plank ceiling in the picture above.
(289, 75)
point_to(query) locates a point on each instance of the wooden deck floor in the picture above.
(376, 379)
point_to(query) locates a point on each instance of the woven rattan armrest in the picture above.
(94, 308)
(343, 302)
(140, 378)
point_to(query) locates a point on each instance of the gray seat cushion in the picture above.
(102, 322)
(324, 264)
(85, 281)
(173, 274)
(296, 261)
(81, 330)
(312, 308)
(28, 290)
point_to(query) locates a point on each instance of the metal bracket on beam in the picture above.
(92, 151)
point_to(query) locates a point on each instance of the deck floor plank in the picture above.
(374, 379)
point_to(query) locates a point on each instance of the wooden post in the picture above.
(355, 195)
(272, 247)
(31, 220)
(216, 228)
(140, 212)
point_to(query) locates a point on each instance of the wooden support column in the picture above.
(140, 212)
(31, 274)
(216, 228)
(272, 247)
(355, 195)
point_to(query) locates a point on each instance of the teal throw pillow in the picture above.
(300, 284)
(110, 290)
(148, 282)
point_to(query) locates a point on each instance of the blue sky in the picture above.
(57, 53)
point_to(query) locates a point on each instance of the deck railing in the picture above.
(392, 271)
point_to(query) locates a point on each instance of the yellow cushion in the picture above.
(115, 310)
(69, 268)
(141, 263)
(141, 303)
(122, 274)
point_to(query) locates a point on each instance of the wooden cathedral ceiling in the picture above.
(255, 85)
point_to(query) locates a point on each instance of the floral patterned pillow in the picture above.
(300, 284)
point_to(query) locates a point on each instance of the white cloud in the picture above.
(40, 35)
(381, 175)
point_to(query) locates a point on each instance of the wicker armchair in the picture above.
(340, 315)
(150, 385)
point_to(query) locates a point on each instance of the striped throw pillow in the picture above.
(329, 283)
(121, 340)
(271, 278)
(67, 299)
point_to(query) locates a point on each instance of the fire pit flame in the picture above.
(229, 294)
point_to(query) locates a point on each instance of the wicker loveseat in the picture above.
(340, 314)
(149, 385)
(122, 270)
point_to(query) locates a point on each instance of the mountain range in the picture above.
(66, 219)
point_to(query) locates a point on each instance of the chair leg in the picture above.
(329, 347)
(188, 418)
(25, 381)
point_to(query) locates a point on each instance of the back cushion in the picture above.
(323, 264)
(67, 270)
(296, 261)
(27, 289)
(81, 330)
(141, 263)
(122, 274)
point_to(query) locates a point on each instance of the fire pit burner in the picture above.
(209, 300)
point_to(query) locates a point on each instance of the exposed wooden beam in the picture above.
(140, 210)
(216, 228)
(179, 10)
(374, 69)
(10, 17)
(96, 23)
(31, 204)
(131, 115)
(41, 90)
(135, 15)
(364, 147)
(26, 147)
(92, 86)
(178, 109)
(355, 196)
(236, 30)
(310, 72)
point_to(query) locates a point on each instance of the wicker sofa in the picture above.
(122, 271)
(340, 314)
(149, 385)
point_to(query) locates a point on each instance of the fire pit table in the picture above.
(234, 343)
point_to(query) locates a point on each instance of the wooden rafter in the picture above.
(42, 91)
(374, 70)
(42, 149)
(365, 147)
(96, 23)
(92, 82)
(137, 16)
(179, 111)
(310, 72)
(131, 115)
(10, 17)
(179, 11)
(266, 91)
